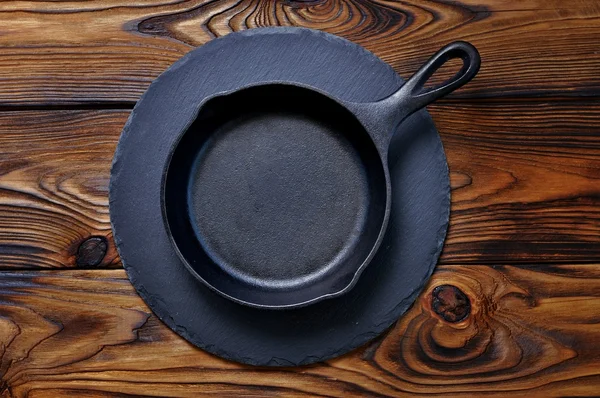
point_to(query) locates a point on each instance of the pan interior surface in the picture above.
(275, 195)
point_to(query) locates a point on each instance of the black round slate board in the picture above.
(390, 284)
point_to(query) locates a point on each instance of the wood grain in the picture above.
(81, 52)
(54, 173)
(526, 188)
(530, 332)
(522, 257)
(526, 181)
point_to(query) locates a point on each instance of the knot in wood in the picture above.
(91, 251)
(450, 303)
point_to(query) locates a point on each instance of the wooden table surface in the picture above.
(523, 248)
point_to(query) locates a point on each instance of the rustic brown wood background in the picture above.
(523, 144)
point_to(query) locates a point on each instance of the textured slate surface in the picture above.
(386, 289)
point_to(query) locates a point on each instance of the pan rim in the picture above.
(356, 273)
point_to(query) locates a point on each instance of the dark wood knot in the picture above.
(91, 251)
(450, 303)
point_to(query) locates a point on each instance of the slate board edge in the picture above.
(157, 304)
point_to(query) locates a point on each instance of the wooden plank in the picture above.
(526, 181)
(54, 174)
(529, 332)
(81, 52)
(525, 187)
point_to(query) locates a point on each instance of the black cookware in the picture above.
(278, 194)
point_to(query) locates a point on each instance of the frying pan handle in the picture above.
(413, 95)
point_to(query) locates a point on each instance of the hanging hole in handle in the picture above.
(446, 72)
(460, 51)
